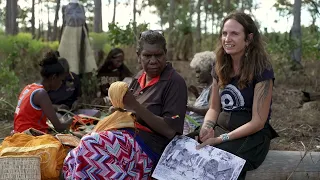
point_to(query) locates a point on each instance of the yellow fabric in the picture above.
(50, 150)
(117, 119)
(116, 92)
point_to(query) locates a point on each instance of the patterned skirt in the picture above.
(108, 155)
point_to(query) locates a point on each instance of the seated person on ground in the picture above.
(34, 105)
(202, 65)
(112, 70)
(68, 95)
(240, 107)
(158, 98)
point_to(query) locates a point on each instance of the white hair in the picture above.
(203, 60)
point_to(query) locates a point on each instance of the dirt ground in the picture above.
(298, 125)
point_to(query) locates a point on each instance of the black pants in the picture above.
(253, 148)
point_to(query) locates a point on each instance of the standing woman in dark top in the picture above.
(113, 69)
(242, 89)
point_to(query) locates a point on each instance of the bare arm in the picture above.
(215, 106)
(173, 110)
(260, 111)
(155, 122)
(42, 100)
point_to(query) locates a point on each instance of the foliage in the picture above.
(90, 82)
(107, 47)
(116, 36)
(23, 54)
(279, 47)
(9, 90)
(2, 17)
(280, 44)
(98, 40)
(310, 44)
(54, 45)
(9, 82)
(284, 7)
(89, 5)
(20, 55)
(123, 36)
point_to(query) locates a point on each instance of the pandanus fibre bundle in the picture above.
(120, 118)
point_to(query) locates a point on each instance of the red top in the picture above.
(142, 81)
(27, 114)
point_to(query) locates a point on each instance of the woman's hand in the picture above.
(130, 101)
(206, 133)
(211, 141)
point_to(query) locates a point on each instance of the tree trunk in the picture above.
(242, 5)
(48, 23)
(97, 16)
(212, 28)
(227, 6)
(198, 32)
(296, 33)
(134, 20)
(33, 29)
(55, 23)
(40, 21)
(206, 18)
(170, 34)
(114, 11)
(191, 10)
(49, 31)
(11, 16)
(8, 16)
(161, 20)
(39, 30)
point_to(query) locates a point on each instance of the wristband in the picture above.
(225, 137)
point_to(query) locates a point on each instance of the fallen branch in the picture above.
(304, 155)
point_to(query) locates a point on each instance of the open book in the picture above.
(182, 161)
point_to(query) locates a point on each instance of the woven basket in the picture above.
(68, 139)
(20, 168)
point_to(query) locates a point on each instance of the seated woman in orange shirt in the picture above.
(34, 105)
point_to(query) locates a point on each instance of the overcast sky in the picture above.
(265, 14)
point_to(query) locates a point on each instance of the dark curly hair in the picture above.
(50, 65)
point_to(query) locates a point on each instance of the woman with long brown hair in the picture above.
(240, 108)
